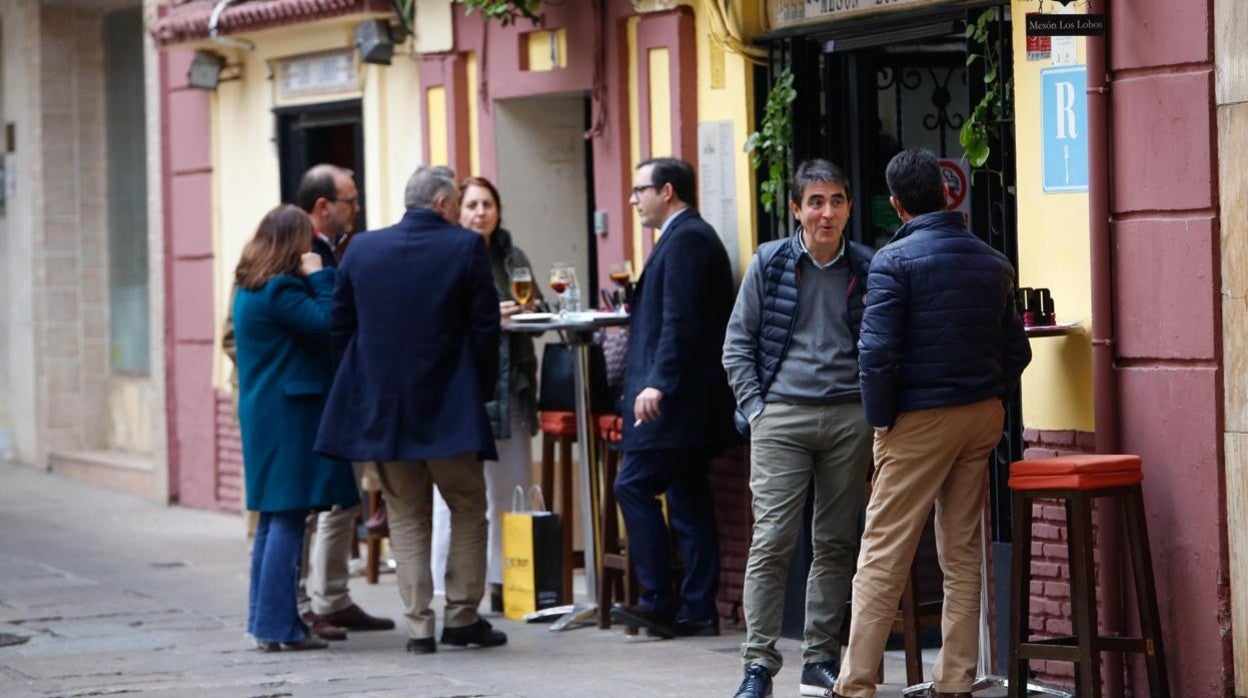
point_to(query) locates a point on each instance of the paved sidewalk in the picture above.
(116, 595)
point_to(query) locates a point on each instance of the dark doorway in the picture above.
(321, 133)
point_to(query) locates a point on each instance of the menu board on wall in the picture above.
(792, 13)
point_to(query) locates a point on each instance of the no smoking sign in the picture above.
(955, 177)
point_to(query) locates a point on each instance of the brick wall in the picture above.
(70, 248)
(1050, 567)
(229, 460)
(730, 486)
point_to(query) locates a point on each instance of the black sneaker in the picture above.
(818, 678)
(756, 684)
(480, 633)
(656, 623)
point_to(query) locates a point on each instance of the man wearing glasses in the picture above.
(328, 194)
(677, 408)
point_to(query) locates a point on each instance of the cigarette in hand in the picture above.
(636, 423)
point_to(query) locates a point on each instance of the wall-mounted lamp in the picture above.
(208, 69)
(374, 41)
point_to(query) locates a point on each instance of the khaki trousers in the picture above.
(327, 543)
(930, 456)
(793, 447)
(407, 487)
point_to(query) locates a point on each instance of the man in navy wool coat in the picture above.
(941, 347)
(677, 405)
(415, 326)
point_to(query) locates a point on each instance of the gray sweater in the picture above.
(821, 365)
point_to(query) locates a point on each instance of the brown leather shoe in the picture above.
(323, 628)
(354, 618)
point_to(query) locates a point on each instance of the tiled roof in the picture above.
(188, 20)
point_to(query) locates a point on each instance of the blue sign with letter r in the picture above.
(1064, 119)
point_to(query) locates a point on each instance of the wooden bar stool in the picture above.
(615, 581)
(558, 435)
(1077, 481)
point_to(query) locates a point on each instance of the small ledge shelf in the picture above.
(1053, 330)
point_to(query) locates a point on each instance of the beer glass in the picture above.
(522, 285)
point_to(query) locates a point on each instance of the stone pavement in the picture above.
(108, 594)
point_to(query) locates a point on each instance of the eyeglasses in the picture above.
(638, 190)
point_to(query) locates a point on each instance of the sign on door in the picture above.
(1064, 107)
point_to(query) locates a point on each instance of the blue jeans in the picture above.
(272, 608)
(681, 475)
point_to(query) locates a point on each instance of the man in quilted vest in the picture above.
(791, 354)
(941, 347)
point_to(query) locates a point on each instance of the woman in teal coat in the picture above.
(281, 327)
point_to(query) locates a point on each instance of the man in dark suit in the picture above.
(677, 406)
(328, 195)
(415, 323)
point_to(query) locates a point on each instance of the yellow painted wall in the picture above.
(244, 151)
(474, 118)
(735, 102)
(436, 132)
(660, 103)
(538, 44)
(1053, 252)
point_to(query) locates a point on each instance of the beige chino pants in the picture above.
(937, 456)
(406, 485)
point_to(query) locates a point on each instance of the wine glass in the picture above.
(559, 282)
(622, 274)
(522, 285)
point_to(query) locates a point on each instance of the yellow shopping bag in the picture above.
(532, 557)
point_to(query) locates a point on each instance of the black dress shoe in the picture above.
(480, 633)
(423, 645)
(656, 623)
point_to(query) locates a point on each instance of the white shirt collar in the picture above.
(801, 241)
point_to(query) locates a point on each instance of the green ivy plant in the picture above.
(770, 144)
(984, 123)
(507, 12)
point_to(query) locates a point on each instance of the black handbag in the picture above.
(558, 389)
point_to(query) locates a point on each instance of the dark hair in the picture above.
(319, 182)
(677, 173)
(484, 184)
(284, 234)
(914, 179)
(815, 170)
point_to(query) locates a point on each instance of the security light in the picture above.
(373, 41)
(205, 70)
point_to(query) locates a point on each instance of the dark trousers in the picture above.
(273, 612)
(681, 475)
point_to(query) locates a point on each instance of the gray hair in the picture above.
(428, 183)
(815, 170)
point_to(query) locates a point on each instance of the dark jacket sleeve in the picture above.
(1017, 348)
(684, 276)
(483, 322)
(305, 314)
(342, 315)
(880, 342)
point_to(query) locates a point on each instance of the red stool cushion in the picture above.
(558, 423)
(610, 427)
(1077, 472)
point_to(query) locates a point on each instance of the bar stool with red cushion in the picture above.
(615, 581)
(1077, 481)
(558, 435)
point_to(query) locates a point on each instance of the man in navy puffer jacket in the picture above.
(941, 344)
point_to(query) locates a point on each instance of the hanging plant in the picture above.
(984, 123)
(506, 12)
(769, 146)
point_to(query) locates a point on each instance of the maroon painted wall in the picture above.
(187, 167)
(1167, 319)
